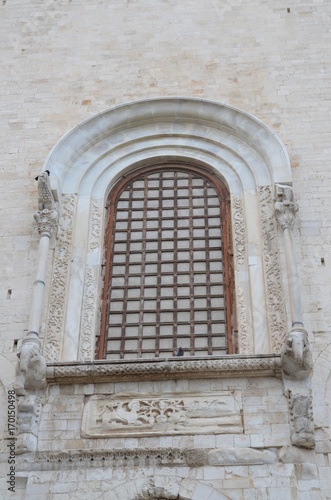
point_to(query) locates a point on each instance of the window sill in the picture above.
(164, 368)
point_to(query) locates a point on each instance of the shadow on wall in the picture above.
(6, 383)
(321, 385)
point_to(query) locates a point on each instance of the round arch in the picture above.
(93, 156)
(234, 142)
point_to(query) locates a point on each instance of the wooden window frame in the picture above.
(228, 273)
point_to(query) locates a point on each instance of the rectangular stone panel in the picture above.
(156, 415)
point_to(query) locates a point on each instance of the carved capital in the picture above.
(47, 221)
(285, 206)
(47, 215)
(297, 361)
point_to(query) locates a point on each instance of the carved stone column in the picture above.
(296, 354)
(31, 367)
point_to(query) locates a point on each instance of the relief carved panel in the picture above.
(123, 415)
(88, 317)
(95, 227)
(245, 339)
(239, 230)
(271, 260)
(54, 331)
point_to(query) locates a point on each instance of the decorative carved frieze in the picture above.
(116, 458)
(108, 371)
(285, 206)
(88, 317)
(87, 335)
(57, 305)
(146, 415)
(245, 339)
(95, 227)
(150, 457)
(271, 259)
(239, 230)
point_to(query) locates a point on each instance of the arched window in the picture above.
(206, 141)
(168, 276)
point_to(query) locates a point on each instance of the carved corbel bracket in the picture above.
(30, 375)
(297, 361)
(31, 367)
(285, 206)
(297, 364)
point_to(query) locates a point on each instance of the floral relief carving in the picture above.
(271, 259)
(95, 227)
(245, 338)
(239, 230)
(59, 286)
(88, 317)
(186, 414)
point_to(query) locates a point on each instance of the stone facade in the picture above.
(131, 431)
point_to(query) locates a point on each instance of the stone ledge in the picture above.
(170, 368)
(149, 457)
(156, 457)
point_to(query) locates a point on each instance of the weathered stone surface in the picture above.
(30, 367)
(161, 415)
(241, 456)
(294, 455)
(297, 360)
(65, 61)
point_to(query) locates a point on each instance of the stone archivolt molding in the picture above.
(58, 293)
(94, 155)
(273, 273)
(105, 371)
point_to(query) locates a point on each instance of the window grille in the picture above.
(167, 274)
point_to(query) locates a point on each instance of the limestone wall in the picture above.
(64, 61)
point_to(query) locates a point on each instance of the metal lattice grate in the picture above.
(166, 288)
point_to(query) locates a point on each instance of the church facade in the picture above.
(165, 250)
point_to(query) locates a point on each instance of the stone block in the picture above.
(239, 456)
(214, 473)
(203, 491)
(294, 455)
(63, 488)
